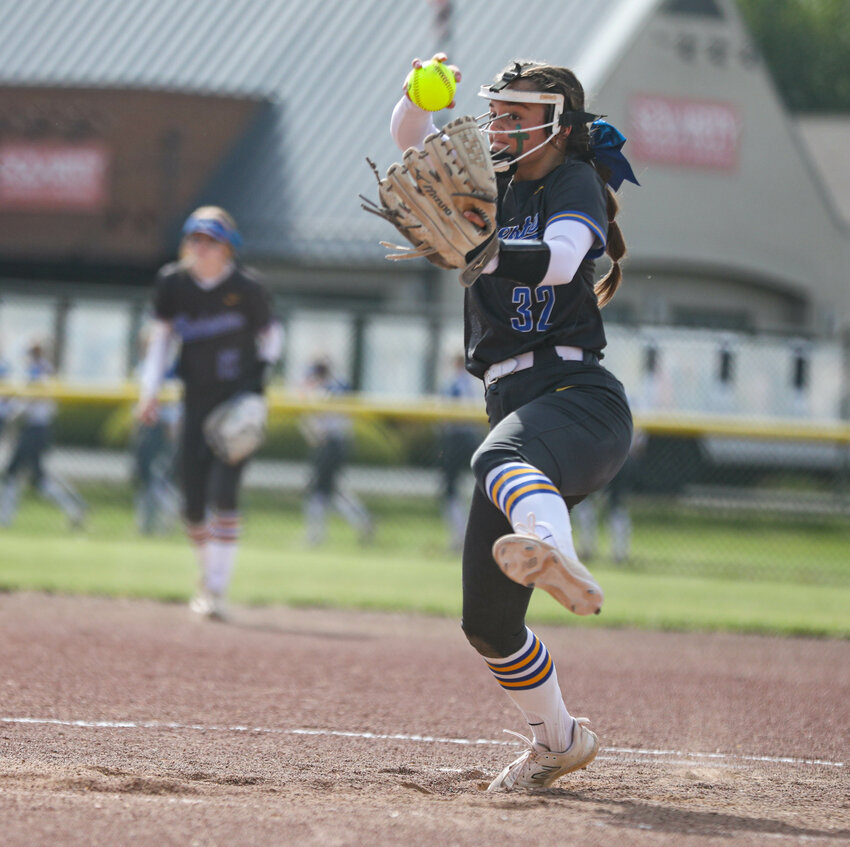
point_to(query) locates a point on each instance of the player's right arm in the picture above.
(153, 371)
(410, 125)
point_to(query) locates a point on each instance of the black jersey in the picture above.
(217, 328)
(502, 317)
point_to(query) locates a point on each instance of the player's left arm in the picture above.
(554, 260)
(578, 227)
(568, 242)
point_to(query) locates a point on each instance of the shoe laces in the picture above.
(530, 744)
(527, 528)
(520, 736)
(536, 747)
(527, 759)
(541, 531)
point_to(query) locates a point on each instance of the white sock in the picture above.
(621, 533)
(8, 501)
(352, 510)
(456, 519)
(530, 501)
(220, 561)
(221, 554)
(587, 521)
(530, 680)
(315, 513)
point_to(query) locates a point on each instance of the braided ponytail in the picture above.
(615, 248)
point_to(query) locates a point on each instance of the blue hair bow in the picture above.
(606, 142)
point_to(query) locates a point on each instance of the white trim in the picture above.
(511, 95)
(626, 752)
(514, 95)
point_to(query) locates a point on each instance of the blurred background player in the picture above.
(457, 444)
(221, 313)
(329, 435)
(34, 418)
(560, 424)
(6, 404)
(154, 460)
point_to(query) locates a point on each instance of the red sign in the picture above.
(694, 133)
(53, 177)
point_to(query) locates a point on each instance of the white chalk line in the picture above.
(679, 756)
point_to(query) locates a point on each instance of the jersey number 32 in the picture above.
(524, 298)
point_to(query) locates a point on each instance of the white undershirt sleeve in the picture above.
(410, 125)
(270, 343)
(153, 367)
(569, 242)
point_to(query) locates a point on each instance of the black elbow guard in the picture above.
(523, 260)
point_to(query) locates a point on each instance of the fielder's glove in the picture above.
(237, 427)
(425, 197)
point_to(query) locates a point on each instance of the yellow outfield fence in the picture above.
(439, 410)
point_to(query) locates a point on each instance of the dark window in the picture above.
(799, 369)
(621, 313)
(706, 8)
(686, 44)
(718, 51)
(725, 365)
(650, 359)
(711, 318)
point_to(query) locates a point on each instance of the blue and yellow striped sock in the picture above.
(510, 485)
(529, 668)
(519, 490)
(529, 678)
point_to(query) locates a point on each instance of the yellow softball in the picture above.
(431, 87)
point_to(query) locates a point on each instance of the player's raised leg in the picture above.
(540, 552)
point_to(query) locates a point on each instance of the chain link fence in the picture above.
(700, 495)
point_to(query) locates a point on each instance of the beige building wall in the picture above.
(757, 235)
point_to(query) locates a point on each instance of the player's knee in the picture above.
(481, 645)
(485, 458)
(194, 515)
(491, 645)
(225, 505)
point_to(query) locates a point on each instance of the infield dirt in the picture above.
(129, 722)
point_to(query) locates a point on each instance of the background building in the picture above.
(116, 122)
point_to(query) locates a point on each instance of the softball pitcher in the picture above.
(560, 425)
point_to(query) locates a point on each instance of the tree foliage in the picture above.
(806, 45)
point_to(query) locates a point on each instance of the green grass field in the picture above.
(408, 568)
